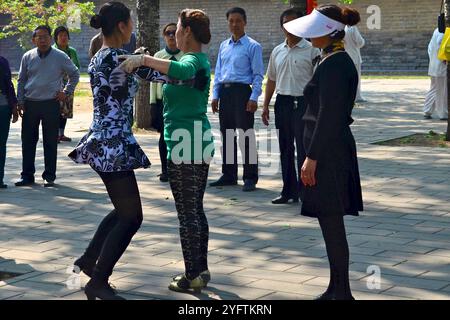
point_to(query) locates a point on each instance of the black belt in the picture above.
(234, 84)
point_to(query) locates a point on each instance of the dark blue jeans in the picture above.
(5, 120)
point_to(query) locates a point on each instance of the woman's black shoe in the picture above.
(283, 200)
(3, 186)
(327, 295)
(332, 296)
(101, 290)
(85, 265)
(164, 177)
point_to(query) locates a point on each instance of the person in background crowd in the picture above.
(62, 37)
(8, 109)
(170, 52)
(237, 85)
(40, 91)
(290, 69)
(353, 43)
(97, 42)
(436, 98)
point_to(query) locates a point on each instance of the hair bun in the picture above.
(350, 16)
(96, 21)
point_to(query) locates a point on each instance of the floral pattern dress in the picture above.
(110, 146)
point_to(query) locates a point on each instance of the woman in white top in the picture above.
(437, 96)
(353, 42)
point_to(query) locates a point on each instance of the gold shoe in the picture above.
(185, 285)
(205, 275)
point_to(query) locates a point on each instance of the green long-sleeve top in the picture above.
(72, 53)
(187, 130)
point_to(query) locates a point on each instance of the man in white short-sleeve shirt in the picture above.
(291, 67)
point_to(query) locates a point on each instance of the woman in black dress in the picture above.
(330, 171)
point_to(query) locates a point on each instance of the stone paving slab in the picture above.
(257, 250)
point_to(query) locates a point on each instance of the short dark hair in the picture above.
(237, 10)
(42, 27)
(171, 24)
(297, 12)
(58, 31)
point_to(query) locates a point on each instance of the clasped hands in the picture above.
(130, 62)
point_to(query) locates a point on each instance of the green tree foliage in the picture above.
(26, 15)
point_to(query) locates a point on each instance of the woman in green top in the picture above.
(190, 146)
(62, 37)
(170, 52)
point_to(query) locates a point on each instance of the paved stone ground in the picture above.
(257, 250)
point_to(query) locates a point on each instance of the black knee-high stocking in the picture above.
(333, 231)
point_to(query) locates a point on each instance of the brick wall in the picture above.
(406, 29)
(262, 21)
(400, 44)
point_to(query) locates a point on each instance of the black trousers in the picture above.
(157, 111)
(232, 116)
(62, 123)
(116, 230)
(36, 112)
(188, 184)
(288, 121)
(5, 120)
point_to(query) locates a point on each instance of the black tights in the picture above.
(116, 230)
(163, 152)
(333, 231)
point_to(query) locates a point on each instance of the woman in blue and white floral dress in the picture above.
(111, 150)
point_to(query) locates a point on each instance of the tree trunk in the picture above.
(447, 24)
(147, 36)
(299, 4)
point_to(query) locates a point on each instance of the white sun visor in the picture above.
(314, 25)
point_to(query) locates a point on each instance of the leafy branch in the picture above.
(26, 15)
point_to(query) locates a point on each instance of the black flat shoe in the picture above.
(49, 183)
(223, 182)
(163, 177)
(249, 186)
(332, 296)
(24, 182)
(283, 200)
(101, 290)
(325, 296)
(3, 186)
(85, 265)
